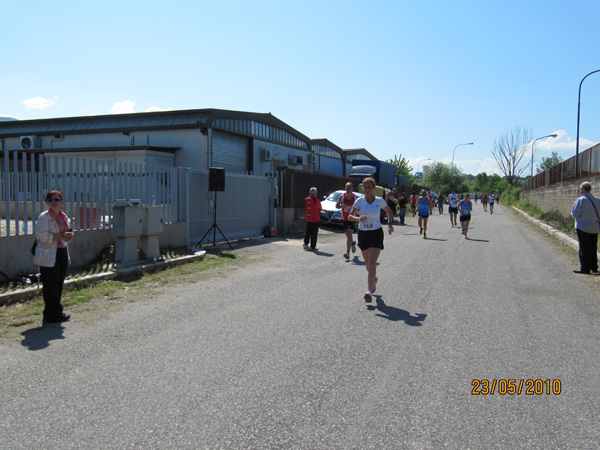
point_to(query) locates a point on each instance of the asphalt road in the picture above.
(283, 353)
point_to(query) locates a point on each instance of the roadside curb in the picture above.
(568, 241)
(7, 298)
(562, 237)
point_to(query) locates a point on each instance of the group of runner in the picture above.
(366, 211)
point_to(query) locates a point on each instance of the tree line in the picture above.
(510, 151)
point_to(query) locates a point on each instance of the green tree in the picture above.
(441, 177)
(481, 183)
(549, 161)
(497, 184)
(402, 165)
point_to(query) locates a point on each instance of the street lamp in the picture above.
(533, 143)
(578, 109)
(468, 143)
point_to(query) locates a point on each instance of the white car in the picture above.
(330, 214)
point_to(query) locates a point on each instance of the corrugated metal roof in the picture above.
(161, 120)
(358, 151)
(119, 148)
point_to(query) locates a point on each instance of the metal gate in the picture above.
(230, 152)
(243, 209)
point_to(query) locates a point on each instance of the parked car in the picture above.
(330, 214)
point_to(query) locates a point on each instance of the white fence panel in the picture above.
(89, 188)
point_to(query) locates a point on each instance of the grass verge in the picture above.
(94, 301)
(556, 219)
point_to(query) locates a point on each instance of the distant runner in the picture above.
(424, 208)
(345, 203)
(453, 208)
(465, 207)
(413, 203)
(440, 202)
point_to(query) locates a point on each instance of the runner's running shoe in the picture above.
(368, 297)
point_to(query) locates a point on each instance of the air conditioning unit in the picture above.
(312, 158)
(265, 154)
(28, 142)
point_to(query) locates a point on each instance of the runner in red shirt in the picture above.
(345, 202)
(413, 203)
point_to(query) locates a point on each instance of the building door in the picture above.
(230, 151)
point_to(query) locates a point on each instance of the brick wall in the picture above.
(560, 196)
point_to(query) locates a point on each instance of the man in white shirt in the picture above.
(453, 208)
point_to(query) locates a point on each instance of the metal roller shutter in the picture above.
(230, 152)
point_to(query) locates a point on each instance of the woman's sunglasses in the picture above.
(54, 199)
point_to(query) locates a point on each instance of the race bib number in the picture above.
(369, 224)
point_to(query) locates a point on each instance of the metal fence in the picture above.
(89, 189)
(588, 163)
(244, 208)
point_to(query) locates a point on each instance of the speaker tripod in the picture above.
(214, 228)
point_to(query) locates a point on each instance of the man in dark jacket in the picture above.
(313, 211)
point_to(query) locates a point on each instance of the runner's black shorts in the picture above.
(424, 217)
(348, 224)
(465, 218)
(370, 239)
(452, 209)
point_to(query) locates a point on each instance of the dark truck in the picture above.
(383, 172)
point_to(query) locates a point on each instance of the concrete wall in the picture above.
(285, 220)
(560, 196)
(85, 248)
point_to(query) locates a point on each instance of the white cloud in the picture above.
(156, 108)
(563, 144)
(125, 107)
(38, 103)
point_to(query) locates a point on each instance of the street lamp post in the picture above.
(468, 143)
(533, 143)
(578, 109)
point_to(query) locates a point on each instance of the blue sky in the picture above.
(414, 78)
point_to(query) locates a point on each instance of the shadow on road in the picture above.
(397, 314)
(477, 240)
(39, 338)
(320, 253)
